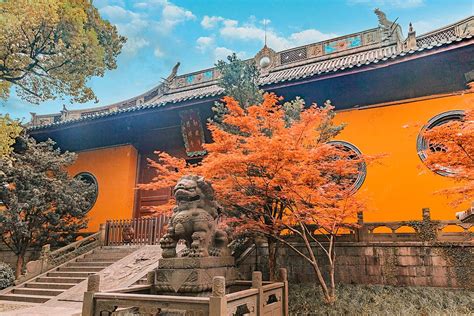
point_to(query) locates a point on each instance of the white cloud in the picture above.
(252, 32)
(134, 44)
(221, 53)
(117, 14)
(136, 25)
(103, 3)
(129, 24)
(309, 36)
(210, 22)
(173, 15)
(400, 4)
(158, 53)
(204, 42)
(141, 5)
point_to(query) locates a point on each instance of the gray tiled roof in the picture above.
(204, 83)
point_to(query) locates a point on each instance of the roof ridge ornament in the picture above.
(409, 44)
(174, 72)
(266, 59)
(391, 31)
(383, 21)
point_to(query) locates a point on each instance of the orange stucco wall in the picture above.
(398, 185)
(115, 171)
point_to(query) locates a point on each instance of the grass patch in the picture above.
(305, 299)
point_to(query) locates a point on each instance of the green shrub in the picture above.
(7, 276)
(305, 299)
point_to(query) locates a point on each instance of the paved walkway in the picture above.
(68, 309)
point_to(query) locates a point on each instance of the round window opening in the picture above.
(91, 181)
(355, 181)
(424, 147)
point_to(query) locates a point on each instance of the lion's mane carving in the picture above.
(194, 221)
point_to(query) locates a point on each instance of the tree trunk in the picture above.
(272, 258)
(20, 258)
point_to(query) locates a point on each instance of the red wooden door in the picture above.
(148, 198)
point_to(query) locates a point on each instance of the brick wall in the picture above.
(390, 263)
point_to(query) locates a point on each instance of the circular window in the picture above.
(90, 180)
(355, 181)
(424, 147)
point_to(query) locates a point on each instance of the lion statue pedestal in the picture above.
(206, 255)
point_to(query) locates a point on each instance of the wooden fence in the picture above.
(137, 231)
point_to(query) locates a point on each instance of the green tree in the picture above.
(41, 202)
(239, 79)
(50, 48)
(9, 130)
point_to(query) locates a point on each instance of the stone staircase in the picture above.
(54, 282)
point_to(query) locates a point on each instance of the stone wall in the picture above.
(7, 256)
(389, 263)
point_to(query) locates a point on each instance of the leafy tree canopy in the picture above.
(277, 175)
(239, 79)
(456, 157)
(9, 130)
(41, 202)
(50, 48)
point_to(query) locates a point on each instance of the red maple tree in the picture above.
(280, 179)
(450, 151)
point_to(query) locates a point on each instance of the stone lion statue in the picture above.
(194, 220)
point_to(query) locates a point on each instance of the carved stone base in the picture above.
(192, 276)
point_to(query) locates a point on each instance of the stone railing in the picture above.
(252, 298)
(50, 259)
(415, 230)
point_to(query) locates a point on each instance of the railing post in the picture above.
(257, 283)
(362, 231)
(103, 235)
(93, 286)
(45, 256)
(153, 231)
(426, 214)
(217, 300)
(150, 280)
(283, 277)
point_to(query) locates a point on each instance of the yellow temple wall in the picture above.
(399, 185)
(115, 170)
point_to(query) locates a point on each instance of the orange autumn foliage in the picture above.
(274, 176)
(455, 155)
(269, 161)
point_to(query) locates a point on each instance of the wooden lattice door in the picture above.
(148, 198)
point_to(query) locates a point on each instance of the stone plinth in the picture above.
(192, 276)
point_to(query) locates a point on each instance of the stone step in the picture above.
(115, 249)
(102, 264)
(49, 279)
(88, 259)
(90, 269)
(69, 274)
(44, 285)
(108, 256)
(25, 298)
(40, 292)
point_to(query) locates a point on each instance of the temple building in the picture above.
(387, 87)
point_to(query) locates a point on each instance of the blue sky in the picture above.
(199, 32)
